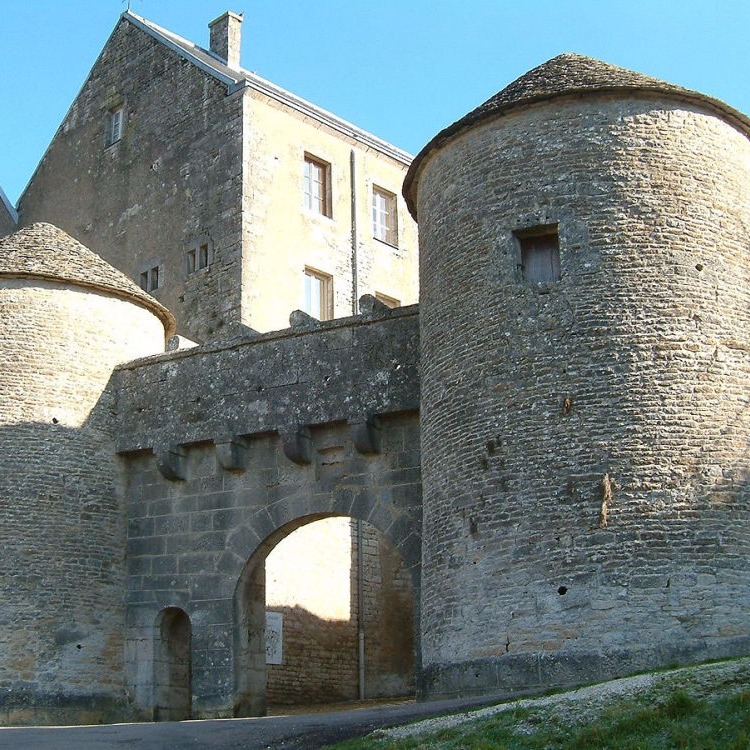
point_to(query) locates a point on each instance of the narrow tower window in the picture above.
(540, 255)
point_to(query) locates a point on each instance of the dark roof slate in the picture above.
(43, 251)
(565, 75)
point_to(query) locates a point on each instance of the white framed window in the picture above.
(198, 256)
(317, 186)
(317, 294)
(384, 216)
(115, 124)
(540, 254)
(151, 279)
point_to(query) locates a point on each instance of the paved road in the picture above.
(301, 732)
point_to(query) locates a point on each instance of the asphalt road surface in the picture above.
(298, 732)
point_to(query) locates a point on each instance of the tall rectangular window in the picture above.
(114, 125)
(318, 294)
(540, 255)
(317, 187)
(384, 218)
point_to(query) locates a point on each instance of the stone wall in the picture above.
(235, 446)
(585, 442)
(174, 179)
(62, 520)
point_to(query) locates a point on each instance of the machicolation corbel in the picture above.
(170, 461)
(366, 433)
(297, 444)
(231, 453)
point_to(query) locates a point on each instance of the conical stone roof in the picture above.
(565, 75)
(42, 251)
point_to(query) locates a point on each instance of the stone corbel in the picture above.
(297, 444)
(170, 461)
(366, 434)
(231, 453)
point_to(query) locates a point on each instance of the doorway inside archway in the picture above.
(335, 604)
(172, 665)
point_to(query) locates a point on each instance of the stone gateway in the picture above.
(551, 451)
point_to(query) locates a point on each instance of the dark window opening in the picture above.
(540, 256)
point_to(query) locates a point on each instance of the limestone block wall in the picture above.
(172, 182)
(236, 445)
(62, 521)
(585, 441)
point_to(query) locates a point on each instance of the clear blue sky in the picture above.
(402, 69)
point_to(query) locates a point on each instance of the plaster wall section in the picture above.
(585, 441)
(282, 237)
(62, 532)
(172, 182)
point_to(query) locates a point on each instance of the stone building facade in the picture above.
(227, 198)
(552, 448)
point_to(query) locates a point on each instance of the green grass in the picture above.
(681, 713)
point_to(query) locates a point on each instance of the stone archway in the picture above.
(172, 665)
(292, 680)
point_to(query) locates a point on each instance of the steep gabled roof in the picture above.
(42, 251)
(236, 79)
(566, 75)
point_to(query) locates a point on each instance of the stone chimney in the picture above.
(226, 38)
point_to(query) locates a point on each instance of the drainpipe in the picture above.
(361, 608)
(355, 233)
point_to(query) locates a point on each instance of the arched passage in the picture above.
(343, 630)
(172, 665)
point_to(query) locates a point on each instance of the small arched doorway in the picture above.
(340, 606)
(172, 665)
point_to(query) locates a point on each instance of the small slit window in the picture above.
(199, 256)
(151, 279)
(114, 124)
(540, 255)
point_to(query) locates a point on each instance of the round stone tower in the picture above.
(585, 311)
(66, 320)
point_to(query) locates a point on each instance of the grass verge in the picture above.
(703, 708)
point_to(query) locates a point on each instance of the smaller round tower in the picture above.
(584, 313)
(67, 319)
